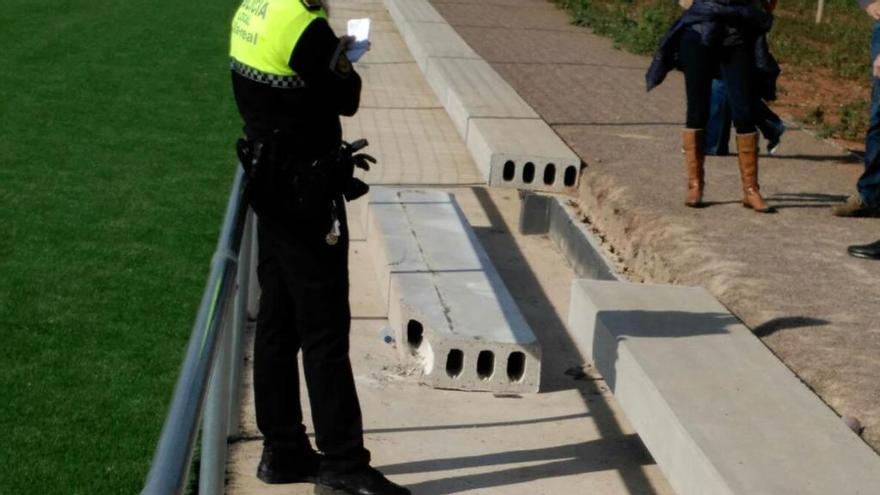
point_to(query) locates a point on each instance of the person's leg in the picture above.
(717, 135)
(770, 125)
(697, 64)
(869, 183)
(866, 201)
(288, 455)
(318, 281)
(319, 275)
(737, 72)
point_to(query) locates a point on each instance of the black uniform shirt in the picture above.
(310, 115)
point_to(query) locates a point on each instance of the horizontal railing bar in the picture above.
(171, 461)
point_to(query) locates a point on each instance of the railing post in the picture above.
(215, 425)
(239, 322)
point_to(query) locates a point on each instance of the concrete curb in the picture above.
(510, 144)
(552, 215)
(447, 304)
(718, 412)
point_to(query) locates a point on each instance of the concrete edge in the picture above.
(553, 216)
(669, 443)
(788, 442)
(493, 164)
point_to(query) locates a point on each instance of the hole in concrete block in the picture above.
(571, 174)
(516, 366)
(486, 365)
(454, 363)
(529, 173)
(509, 171)
(550, 174)
(414, 334)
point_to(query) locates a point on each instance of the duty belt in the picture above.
(276, 81)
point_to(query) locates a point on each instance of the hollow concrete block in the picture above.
(523, 154)
(717, 410)
(404, 11)
(470, 88)
(435, 40)
(450, 310)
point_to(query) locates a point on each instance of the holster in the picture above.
(296, 191)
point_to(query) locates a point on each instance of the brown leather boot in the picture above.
(694, 158)
(747, 149)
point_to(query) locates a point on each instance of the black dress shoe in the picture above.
(279, 466)
(867, 251)
(366, 481)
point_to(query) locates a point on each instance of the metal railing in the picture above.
(210, 376)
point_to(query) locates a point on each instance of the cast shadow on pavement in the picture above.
(552, 332)
(850, 158)
(479, 425)
(787, 323)
(664, 324)
(782, 201)
(563, 460)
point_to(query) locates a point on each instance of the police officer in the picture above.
(292, 80)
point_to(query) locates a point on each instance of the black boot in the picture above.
(868, 251)
(364, 481)
(279, 466)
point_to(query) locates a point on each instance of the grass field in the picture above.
(116, 158)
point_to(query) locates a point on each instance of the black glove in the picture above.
(349, 158)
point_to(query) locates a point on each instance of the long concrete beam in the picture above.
(449, 308)
(511, 145)
(719, 413)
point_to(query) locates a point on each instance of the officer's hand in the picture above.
(354, 50)
(363, 161)
(873, 10)
(346, 40)
(876, 67)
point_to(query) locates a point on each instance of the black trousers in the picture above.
(304, 306)
(734, 65)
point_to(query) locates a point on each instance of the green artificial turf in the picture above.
(116, 158)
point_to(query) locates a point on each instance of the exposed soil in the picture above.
(814, 98)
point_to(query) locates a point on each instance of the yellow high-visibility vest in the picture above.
(264, 33)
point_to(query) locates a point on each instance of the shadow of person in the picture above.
(543, 463)
(783, 201)
(849, 158)
(786, 323)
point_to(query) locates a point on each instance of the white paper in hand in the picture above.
(359, 29)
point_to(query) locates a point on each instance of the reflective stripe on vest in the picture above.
(264, 33)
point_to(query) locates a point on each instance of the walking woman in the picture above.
(722, 39)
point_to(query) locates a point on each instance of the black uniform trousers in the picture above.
(304, 306)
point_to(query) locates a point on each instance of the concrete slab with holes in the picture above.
(449, 308)
(509, 142)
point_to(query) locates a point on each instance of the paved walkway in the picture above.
(787, 275)
(571, 438)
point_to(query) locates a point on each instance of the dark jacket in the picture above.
(302, 125)
(720, 23)
(309, 115)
